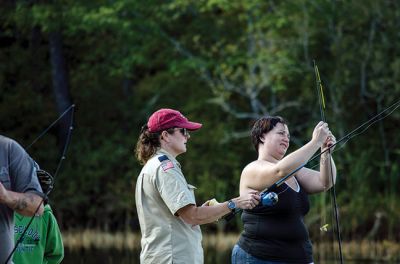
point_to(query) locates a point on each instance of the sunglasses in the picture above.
(184, 131)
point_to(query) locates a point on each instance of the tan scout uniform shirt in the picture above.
(161, 190)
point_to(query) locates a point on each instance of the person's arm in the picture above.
(178, 196)
(23, 203)
(25, 196)
(318, 181)
(54, 250)
(194, 215)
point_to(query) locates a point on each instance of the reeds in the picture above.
(99, 239)
(128, 240)
(221, 242)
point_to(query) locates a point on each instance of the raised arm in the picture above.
(261, 174)
(322, 180)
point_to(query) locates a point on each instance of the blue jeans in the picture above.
(239, 256)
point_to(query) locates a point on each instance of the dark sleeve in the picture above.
(22, 171)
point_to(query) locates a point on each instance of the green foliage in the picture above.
(222, 63)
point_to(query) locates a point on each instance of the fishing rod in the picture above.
(345, 138)
(321, 99)
(45, 173)
(270, 198)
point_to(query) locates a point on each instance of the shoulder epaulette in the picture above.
(162, 158)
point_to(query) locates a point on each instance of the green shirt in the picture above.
(42, 241)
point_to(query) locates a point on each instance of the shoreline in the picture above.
(93, 239)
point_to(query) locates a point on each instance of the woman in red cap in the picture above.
(168, 216)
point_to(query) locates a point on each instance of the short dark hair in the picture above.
(262, 126)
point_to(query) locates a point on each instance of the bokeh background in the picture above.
(221, 63)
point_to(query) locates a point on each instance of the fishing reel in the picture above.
(269, 198)
(46, 181)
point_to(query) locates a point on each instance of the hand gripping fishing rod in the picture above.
(41, 172)
(270, 198)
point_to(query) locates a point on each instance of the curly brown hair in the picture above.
(148, 144)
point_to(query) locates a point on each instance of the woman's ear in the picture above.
(262, 139)
(164, 135)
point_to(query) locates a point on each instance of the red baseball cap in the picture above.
(167, 118)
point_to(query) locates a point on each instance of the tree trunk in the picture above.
(35, 59)
(60, 85)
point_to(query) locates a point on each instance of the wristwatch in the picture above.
(231, 205)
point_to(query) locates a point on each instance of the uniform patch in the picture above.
(166, 164)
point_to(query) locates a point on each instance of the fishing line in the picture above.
(354, 133)
(344, 139)
(67, 142)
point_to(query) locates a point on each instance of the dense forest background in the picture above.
(222, 63)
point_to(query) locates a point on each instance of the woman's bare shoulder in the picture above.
(256, 175)
(254, 167)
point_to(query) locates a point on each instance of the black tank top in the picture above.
(278, 232)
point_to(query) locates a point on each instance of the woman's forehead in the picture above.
(281, 126)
